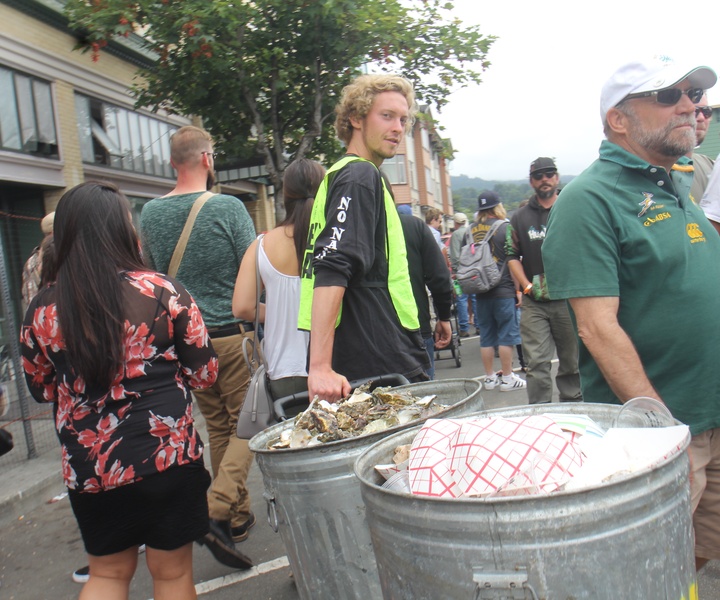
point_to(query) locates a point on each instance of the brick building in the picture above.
(65, 118)
(419, 171)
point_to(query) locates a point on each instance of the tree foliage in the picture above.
(265, 75)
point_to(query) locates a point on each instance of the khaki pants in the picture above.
(705, 493)
(546, 328)
(230, 457)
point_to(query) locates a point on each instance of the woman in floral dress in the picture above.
(116, 348)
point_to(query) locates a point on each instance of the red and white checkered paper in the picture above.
(491, 456)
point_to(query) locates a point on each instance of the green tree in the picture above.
(265, 75)
(512, 194)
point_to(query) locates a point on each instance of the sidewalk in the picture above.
(28, 485)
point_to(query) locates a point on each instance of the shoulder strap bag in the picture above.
(185, 235)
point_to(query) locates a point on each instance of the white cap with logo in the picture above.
(652, 75)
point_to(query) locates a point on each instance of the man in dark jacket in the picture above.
(427, 267)
(545, 324)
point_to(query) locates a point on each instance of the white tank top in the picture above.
(285, 347)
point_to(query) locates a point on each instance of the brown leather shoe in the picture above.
(219, 541)
(241, 532)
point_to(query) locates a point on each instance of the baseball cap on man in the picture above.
(488, 199)
(460, 218)
(658, 73)
(542, 163)
(404, 209)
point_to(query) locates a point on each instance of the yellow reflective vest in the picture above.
(398, 275)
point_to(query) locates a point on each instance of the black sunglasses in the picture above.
(671, 96)
(705, 110)
(539, 176)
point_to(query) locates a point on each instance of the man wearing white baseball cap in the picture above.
(637, 260)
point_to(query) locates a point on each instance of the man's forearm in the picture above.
(325, 309)
(322, 380)
(517, 272)
(611, 348)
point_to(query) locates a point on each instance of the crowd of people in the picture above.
(616, 276)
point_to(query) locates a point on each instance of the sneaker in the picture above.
(241, 532)
(515, 383)
(490, 383)
(81, 575)
(464, 334)
(4, 401)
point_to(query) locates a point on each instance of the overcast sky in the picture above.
(541, 95)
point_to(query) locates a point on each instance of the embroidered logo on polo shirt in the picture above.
(646, 203)
(694, 232)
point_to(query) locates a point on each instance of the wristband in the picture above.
(528, 289)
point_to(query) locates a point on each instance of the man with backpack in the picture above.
(545, 324)
(496, 314)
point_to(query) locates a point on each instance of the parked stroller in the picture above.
(453, 348)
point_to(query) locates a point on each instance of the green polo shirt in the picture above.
(626, 228)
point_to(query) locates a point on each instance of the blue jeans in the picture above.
(430, 347)
(462, 311)
(473, 299)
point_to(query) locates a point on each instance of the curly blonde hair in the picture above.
(358, 97)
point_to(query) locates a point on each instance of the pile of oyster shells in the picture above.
(361, 413)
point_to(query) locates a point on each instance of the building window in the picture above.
(412, 165)
(425, 138)
(394, 168)
(27, 119)
(429, 187)
(436, 177)
(123, 139)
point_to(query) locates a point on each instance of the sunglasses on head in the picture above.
(671, 96)
(705, 110)
(547, 174)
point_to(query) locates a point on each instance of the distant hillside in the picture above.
(466, 189)
(479, 184)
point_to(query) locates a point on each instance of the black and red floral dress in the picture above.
(143, 424)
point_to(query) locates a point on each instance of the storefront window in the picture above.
(27, 119)
(123, 139)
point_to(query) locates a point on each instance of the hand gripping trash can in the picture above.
(314, 501)
(631, 539)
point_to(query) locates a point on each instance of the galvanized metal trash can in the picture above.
(314, 501)
(627, 540)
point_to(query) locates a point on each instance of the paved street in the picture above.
(39, 551)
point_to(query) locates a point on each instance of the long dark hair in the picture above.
(94, 240)
(47, 263)
(300, 184)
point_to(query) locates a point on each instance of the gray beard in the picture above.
(546, 195)
(658, 140)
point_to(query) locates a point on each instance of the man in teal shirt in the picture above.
(220, 235)
(637, 261)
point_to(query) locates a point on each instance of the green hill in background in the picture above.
(466, 189)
